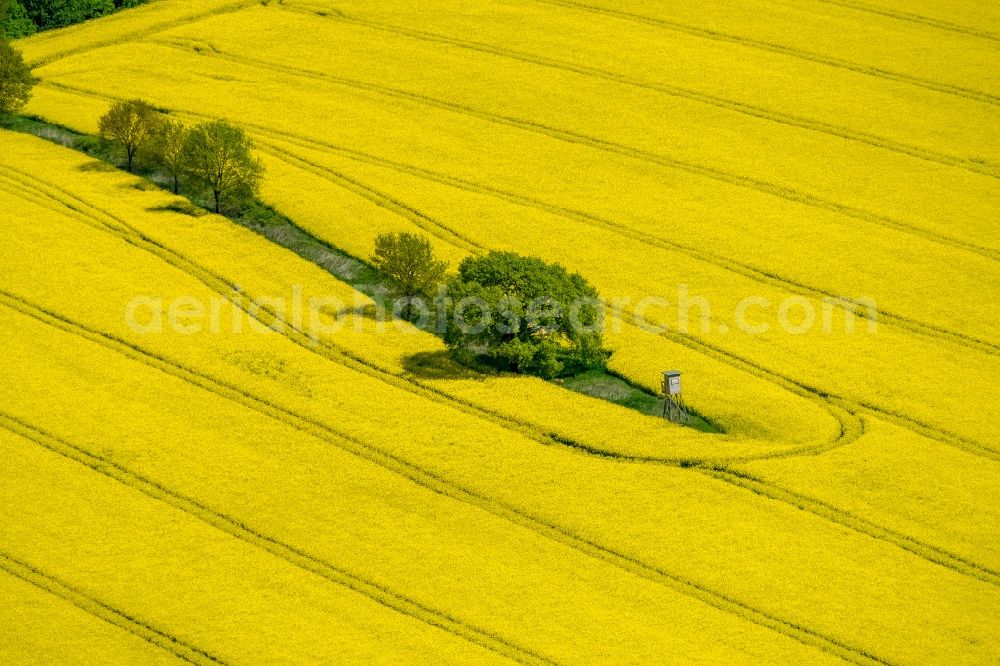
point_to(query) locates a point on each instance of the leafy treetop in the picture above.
(409, 261)
(131, 125)
(524, 314)
(218, 158)
(16, 80)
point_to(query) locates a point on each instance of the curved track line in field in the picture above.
(876, 536)
(17, 189)
(432, 481)
(856, 523)
(221, 286)
(613, 148)
(829, 400)
(409, 470)
(339, 355)
(762, 45)
(332, 352)
(234, 527)
(791, 120)
(850, 429)
(926, 430)
(622, 229)
(139, 628)
(846, 434)
(851, 426)
(825, 511)
(850, 406)
(915, 18)
(138, 34)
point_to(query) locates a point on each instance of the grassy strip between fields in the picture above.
(277, 228)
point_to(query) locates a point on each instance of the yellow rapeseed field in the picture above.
(253, 494)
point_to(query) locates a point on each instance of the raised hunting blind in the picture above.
(673, 405)
(671, 382)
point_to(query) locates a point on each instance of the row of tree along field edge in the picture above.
(403, 264)
(22, 18)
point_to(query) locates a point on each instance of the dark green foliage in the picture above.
(525, 315)
(14, 20)
(47, 14)
(409, 261)
(218, 159)
(16, 80)
(25, 17)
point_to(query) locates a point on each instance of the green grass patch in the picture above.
(612, 388)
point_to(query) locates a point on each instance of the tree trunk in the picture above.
(216, 193)
(130, 153)
(176, 184)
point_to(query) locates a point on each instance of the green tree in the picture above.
(132, 126)
(14, 20)
(219, 159)
(25, 17)
(409, 261)
(48, 14)
(525, 315)
(168, 150)
(16, 80)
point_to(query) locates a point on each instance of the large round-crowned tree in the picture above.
(523, 314)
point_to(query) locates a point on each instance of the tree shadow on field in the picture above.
(438, 365)
(181, 206)
(97, 166)
(368, 312)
